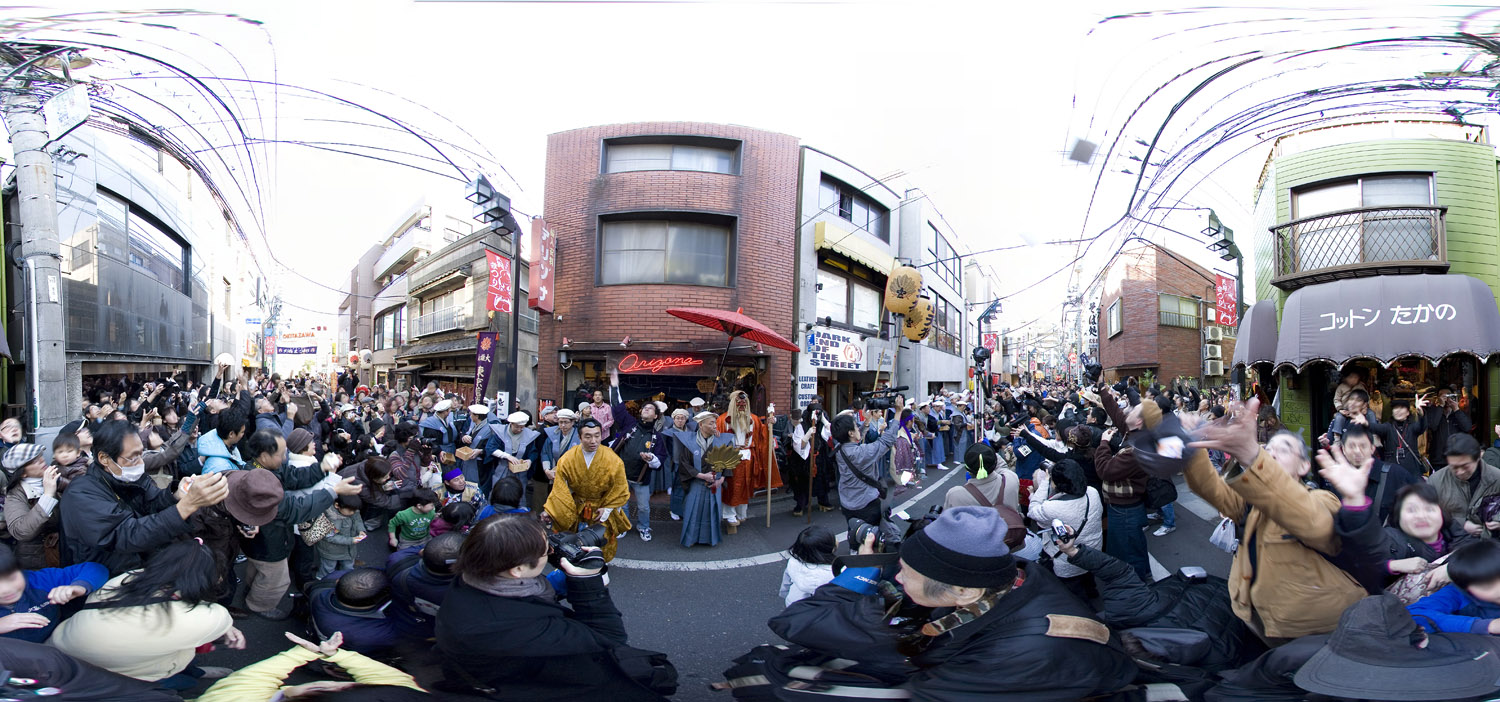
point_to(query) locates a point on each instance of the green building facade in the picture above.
(1461, 170)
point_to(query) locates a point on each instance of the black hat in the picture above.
(963, 547)
(1163, 450)
(1374, 654)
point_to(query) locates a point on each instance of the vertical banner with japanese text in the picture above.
(499, 295)
(484, 361)
(1226, 301)
(543, 256)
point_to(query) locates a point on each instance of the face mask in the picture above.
(131, 473)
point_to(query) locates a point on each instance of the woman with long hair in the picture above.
(147, 623)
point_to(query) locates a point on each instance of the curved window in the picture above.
(633, 252)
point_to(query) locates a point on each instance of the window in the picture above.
(848, 302)
(703, 154)
(1177, 311)
(853, 205)
(654, 251)
(151, 250)
(947, 327)
(228, 296)
(944, 261)
(1112, 325)
(388, 329)
(1379, 236)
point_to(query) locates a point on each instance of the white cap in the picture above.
(661, 407)
(480, 410)
(346, 407)
(518, 418)
(566, 413)
(923, 403)
(443, 406)
(705, 416)
(696, 402)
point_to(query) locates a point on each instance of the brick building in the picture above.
(655, 215)
(1156, 314)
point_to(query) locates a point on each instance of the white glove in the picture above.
(604, 514)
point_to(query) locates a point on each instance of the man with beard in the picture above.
(590, 488)
(757, 462)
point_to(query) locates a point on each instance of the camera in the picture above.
(1061, 531)
(1092, 372)
(570, 547)
(887, 536)
(882, 399)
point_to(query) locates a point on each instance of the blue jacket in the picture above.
(274, 421)
(34, 598)
(1454, 610)
(216, 456)
(368, 632)
(441, 432)
(416, 594)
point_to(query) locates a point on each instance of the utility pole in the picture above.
(41, 258)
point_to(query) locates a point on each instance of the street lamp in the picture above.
(1221, 240)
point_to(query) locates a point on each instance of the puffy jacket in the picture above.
(365, 631)
(1280, 571)
(1123, 480)
(80, 681)
(416, 594)
(215, 455)
(1200, 604)
(846, 619)
(1454, 611)
(1367, 547)
(31, 524)
(339, 544)
(533, 648)
(374, 497)
(1460, 497)
(116, 523)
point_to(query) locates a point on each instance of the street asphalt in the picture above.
(704, 606)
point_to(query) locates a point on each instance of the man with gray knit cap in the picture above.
(998, 629)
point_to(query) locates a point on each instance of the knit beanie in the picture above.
(297, 441)
(965, 547)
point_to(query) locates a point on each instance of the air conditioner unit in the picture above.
(1213, 351)
(1215, 333)
(1212, 367)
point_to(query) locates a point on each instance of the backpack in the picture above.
(1015, 535)
(1160, 493)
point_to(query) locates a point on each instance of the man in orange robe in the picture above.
(757, 459)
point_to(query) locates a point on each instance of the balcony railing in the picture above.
(439, 321)
(1360, 242)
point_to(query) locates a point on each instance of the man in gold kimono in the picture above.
(757, 461)
(590, 488)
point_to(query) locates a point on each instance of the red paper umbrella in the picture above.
(735, 324)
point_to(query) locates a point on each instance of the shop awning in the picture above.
(1255, 342)
(410, 369)
(1387, 317)
(828, 236)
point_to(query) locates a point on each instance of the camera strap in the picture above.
(858, 475)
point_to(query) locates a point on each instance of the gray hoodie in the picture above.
(339, 544)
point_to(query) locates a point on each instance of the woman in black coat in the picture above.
(501, 626)
(1378, 555)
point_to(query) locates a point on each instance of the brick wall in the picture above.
(762, 198)
(1136, 278)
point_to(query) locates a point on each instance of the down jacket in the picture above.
(116, 523)
(1042, 661)
(1177, 602)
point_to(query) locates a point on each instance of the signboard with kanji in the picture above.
(1226, 301)
(991, 341)
(501, 287)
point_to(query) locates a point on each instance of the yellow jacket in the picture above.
(261, 682)
(1277, 573)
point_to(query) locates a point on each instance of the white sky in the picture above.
(976, 102)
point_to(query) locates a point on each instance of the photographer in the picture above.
(502, 627)
(859, 467)
(995, 629)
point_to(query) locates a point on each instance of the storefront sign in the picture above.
(878, 357)
(500, 291)
(297, 335)
(270, 347)
(991, 341)
(807, 390)
(297, 350)
(543, 256)
(834, 350)
(252, 321)
(662, 364)
(484, 360)
(1226, 301)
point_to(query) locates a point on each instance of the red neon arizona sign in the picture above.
(635, 364)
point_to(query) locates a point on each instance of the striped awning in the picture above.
(828, 236)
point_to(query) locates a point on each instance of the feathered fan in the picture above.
(722, 458)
